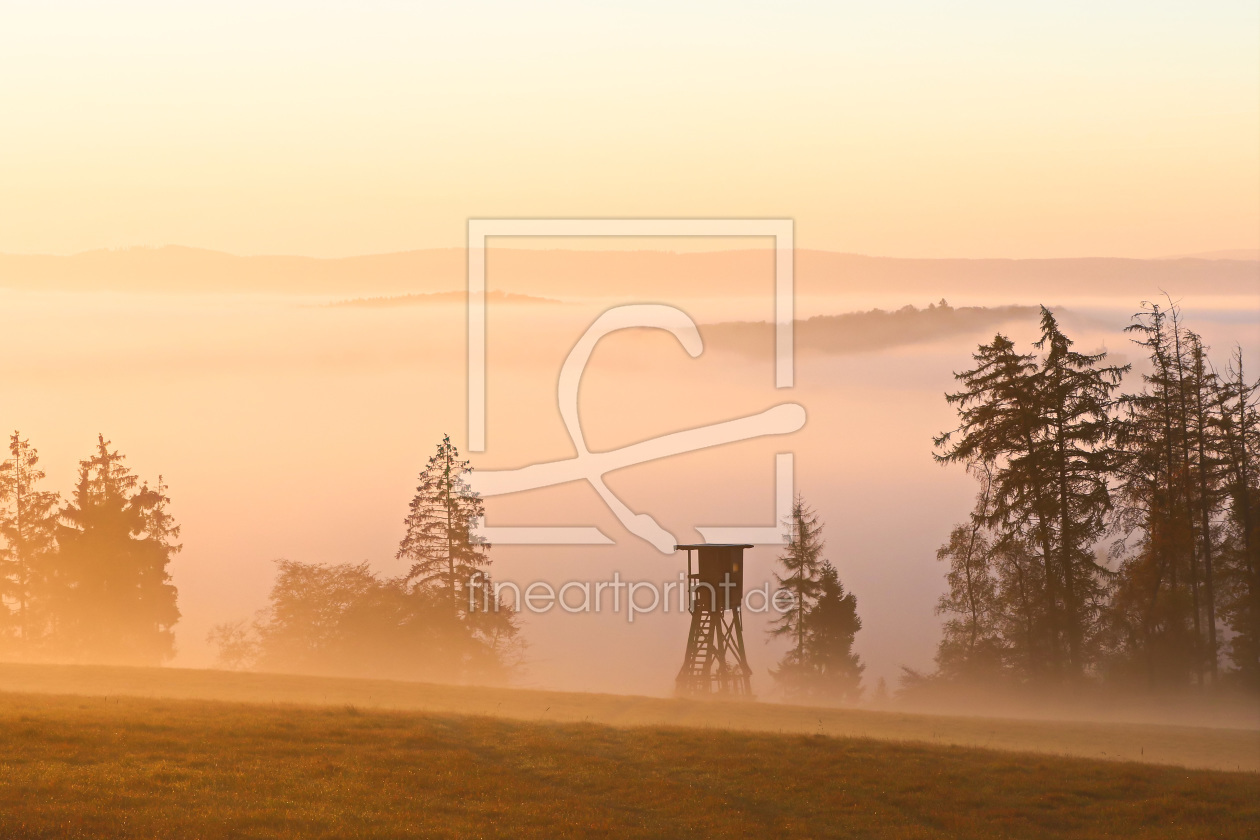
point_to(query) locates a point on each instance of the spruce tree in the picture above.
(1074, 461)
(1041, 428)
(449, 562)
(801, 564)
(833, 622)
(28, 542)
(445, 552)
(1001, 425)
(111, 595)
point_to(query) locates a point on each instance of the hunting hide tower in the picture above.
(715, 663)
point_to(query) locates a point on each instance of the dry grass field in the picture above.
(1192, 747)
(105, 767)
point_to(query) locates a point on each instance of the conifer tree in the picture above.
(1170, 476)
(1074, 463)
(1239, 435)
(832, 625)
(28, 541)
(1001, 425)
(823, 620)
(1041, 427)
(111, 597)
(449, 562)
(1204, 398)
(1171, 470)
(801, 564)
(1000, 420)
(440, 542)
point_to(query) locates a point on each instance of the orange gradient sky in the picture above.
(911, 129)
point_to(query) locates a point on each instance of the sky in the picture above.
(914, 129)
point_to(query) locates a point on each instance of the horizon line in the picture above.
(1221, 254)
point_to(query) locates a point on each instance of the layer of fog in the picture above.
(290, 430)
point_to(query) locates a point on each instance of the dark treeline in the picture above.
(1114, 535)
(422, 624)
(85, 579)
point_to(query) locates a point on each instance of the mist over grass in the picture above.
(129, 767)
(1190, 743)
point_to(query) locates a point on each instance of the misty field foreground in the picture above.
(1196, 747)
(142, 767)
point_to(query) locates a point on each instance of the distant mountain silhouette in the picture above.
(439, 297)
(622, 274)
(1230, 254)
(862, 332)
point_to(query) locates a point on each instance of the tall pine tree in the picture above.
(449, 560)
(801, 564)
(441, 544)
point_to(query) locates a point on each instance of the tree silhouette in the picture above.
(111, 597)
(1042, 428)
(28, 532)
(833, 622)
(449, 561)
(1170, 472)
(1239, 436)
(345, 619)
(822, 621)
(444, 551)
(801, 563)
(1074, 461)
(971, 644)
(1173, 470)
(999, 426)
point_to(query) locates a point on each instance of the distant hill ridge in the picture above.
(862, 332)
(390, 301)
(1228, 254)
(572, 273)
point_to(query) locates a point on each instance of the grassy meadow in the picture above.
(273, 756)
(143, 767)
(1198, 747)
